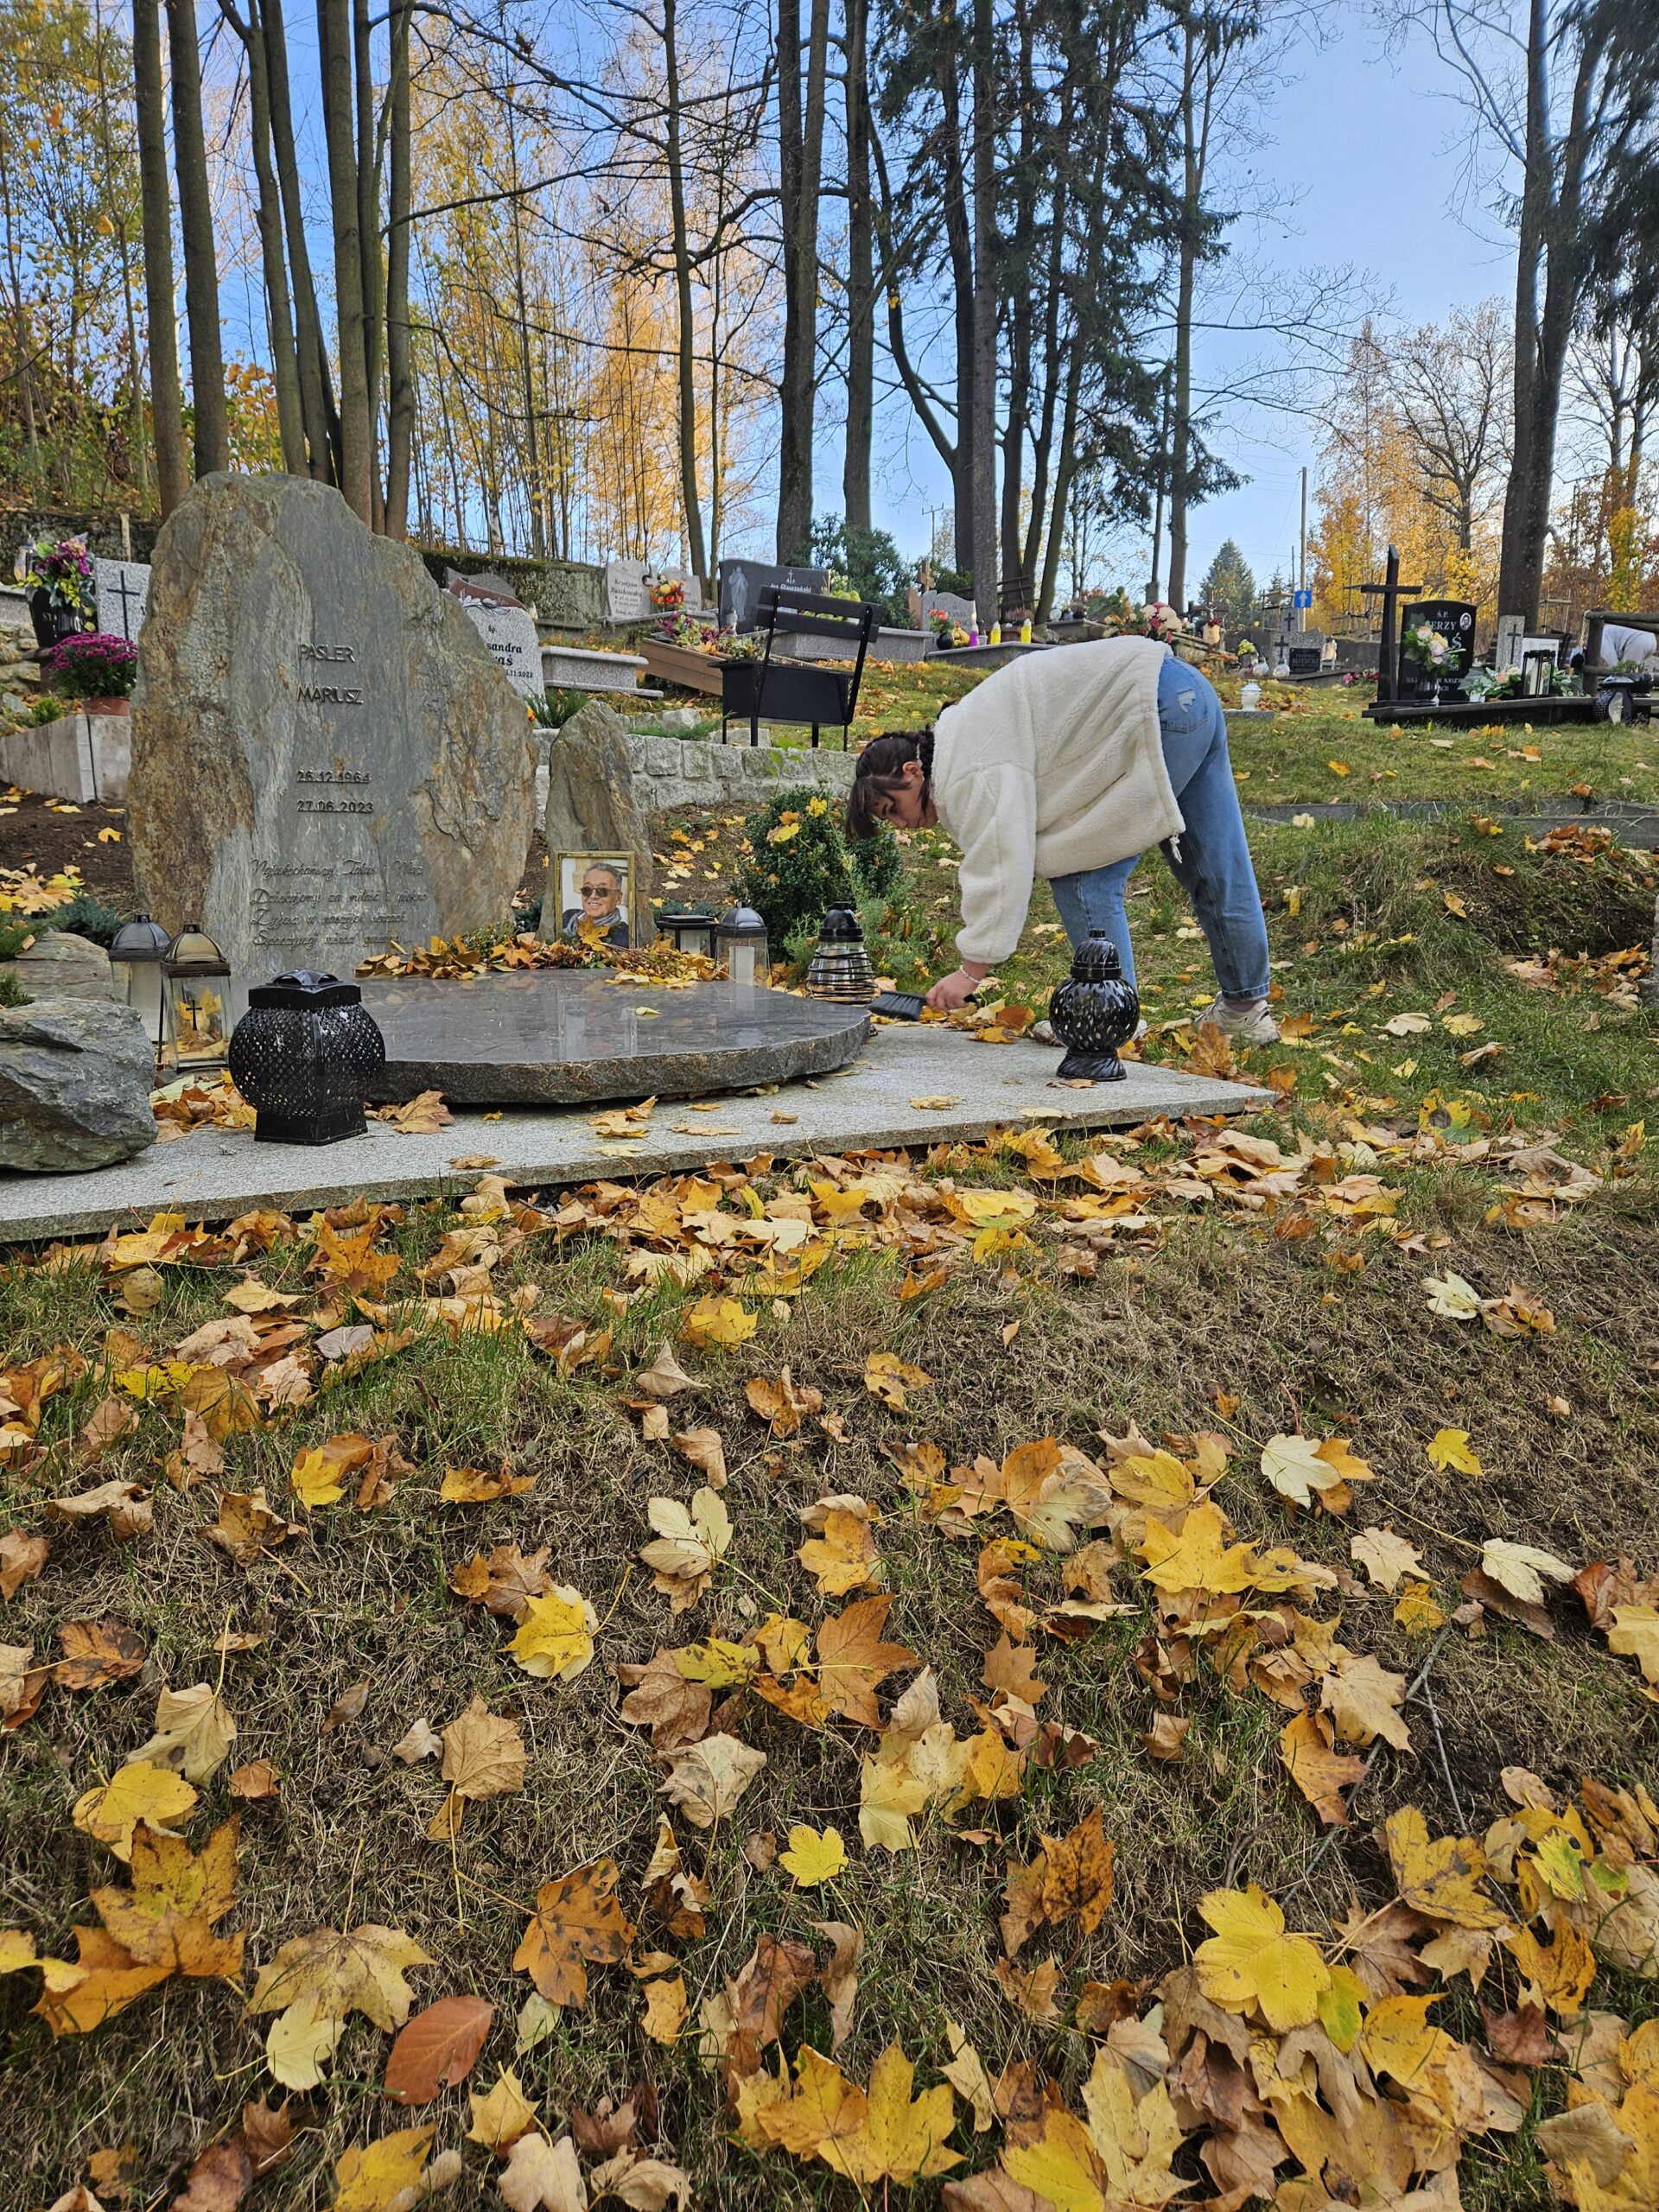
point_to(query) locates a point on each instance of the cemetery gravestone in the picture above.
(122, 589)
(960, 610)
(741, 583)
(627, 598)
(325, 758)
(1305, 652)
(692, 586)
(1454, 619)
(508, 633)
(1511, 629)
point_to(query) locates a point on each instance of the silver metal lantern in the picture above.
(196, 1010)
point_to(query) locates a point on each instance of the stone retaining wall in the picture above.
(697, 772)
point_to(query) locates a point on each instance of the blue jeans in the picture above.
(1212, 864)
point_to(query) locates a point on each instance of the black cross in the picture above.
(129, 599)
(1391, 591)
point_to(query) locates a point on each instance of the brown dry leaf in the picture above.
(843, 1557)
(675, 1710)
(247, 1527)
(315, 1981)
(1166, 1736)
(707, 1779)
(690, 1544)
(1439, 1877)
(1363, 1698)
(967, 2076)
(1031, 1990)
(483, 1757)
(577, 1921)
(665, 1378)
(704, 1448)
(437, 2049)
(1012, 1668)
(252, 1296)
(505, 1582)
(665, 2009)
(346, 1707)
(198, 1458)
(542, 2176)
(422, 1741)
(167, 1918)
(220, 2177)
(887, 1377)
(122, 1504)
(1385, 1557)
(839, 1977)
(853, 1661)
(109, 1422)
(193, 1732)
(773, 1976)
(1319, 1770)
(97, 1653)
(782, 1404)
(423, 1117)
(255, 1782)
(1077, 1875)
(21, 1558)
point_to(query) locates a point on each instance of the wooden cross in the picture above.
(1391, 591)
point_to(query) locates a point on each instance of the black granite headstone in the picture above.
(1454, 621)
(741, 583)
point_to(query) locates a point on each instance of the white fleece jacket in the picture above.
(1053, 765)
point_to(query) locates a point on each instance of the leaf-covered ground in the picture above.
(899, 1710)
(920, 1665)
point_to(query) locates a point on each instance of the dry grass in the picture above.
(364, 1598)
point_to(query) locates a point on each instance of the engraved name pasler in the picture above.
(329, 652)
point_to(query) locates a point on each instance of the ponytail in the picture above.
(879, 774)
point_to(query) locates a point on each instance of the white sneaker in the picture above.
(1042, 1032)
(1249, 1023)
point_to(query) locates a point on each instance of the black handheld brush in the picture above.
(901, 1006)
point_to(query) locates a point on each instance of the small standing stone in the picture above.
(60, 965)
(593, 805)
(75, 1078)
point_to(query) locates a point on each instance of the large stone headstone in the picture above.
(593, 805)
(509, 633)
(325, 757)
(122, 589)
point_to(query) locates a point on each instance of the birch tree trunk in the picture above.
(356, 455)
(861, 274)
(686, 337)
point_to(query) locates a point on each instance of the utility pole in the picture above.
(1301, 560)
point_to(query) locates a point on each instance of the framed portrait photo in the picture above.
(598, 888)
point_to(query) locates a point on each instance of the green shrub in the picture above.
(801, 865)
(88, 916)
(12, 992)
(14, 936)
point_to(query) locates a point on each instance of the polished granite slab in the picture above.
(562, 1037)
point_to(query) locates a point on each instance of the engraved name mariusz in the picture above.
(329, 694)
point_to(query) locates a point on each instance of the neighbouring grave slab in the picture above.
(123, 590)
(218, 1173)
(324, 757)
(627, 597)
(578, 667)
(510, 639)
(83, 758)
(557, 1038)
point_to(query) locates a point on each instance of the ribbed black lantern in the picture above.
(303, 1056)
(1094, 1012)
(840, 968)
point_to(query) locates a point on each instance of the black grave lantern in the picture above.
(840, 968)
(304, 1056)
(690, 930)
(1094, 1012)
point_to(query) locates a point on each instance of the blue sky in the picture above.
(1375, 166)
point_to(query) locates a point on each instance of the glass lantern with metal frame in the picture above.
(743, 940)
(199, 1009)
(688, 931)
(137, 952)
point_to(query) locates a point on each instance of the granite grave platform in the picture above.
(566, 1036)
(215, 1175)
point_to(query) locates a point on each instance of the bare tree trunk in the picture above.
(800, 143)
(213, 443)
(860, 275)
(136, 402)
(982, 433)
(1195, 132)
(688, 329)
(317, 409)
(400, 380)
(166, 402)
(284, 364)
(959, 244)
(368, 238)
(1043, 440)
(1020, 318)
(357, 460)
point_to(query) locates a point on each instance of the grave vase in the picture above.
(53, 620)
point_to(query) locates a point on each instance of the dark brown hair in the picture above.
(879, 774)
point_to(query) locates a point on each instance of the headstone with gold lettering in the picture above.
(325, 757)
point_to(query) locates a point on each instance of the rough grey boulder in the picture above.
(60, 965)
(75, 1078)
(593, 804)
(325, 757)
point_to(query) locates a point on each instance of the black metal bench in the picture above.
(794, 691)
